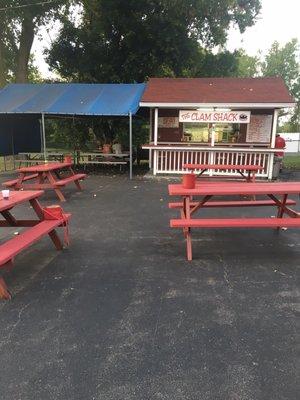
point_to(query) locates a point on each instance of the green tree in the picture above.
(284, 61)
(20, 21)
(208, 64)
(248, 66)
(125, 41)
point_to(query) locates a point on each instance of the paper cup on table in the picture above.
(5, 194)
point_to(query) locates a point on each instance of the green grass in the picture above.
(292, 162)
(9, 164)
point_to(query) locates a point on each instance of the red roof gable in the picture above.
(216, 90)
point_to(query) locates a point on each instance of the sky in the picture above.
(278, 20)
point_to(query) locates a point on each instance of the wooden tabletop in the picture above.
(45, 167)
(224, 167)
(242, 188)
(18, 197)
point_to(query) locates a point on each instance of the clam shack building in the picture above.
(213, 121)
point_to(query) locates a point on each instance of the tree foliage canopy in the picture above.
(19, 22)
(118, 41)
(284, 61)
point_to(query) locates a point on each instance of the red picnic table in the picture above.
(193, 200)
(241, 169)
(35, 229)
(47, 177)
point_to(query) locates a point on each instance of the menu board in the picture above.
(259, 129)
(168, 122)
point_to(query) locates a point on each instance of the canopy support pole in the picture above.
(130, 145)
(44, 137)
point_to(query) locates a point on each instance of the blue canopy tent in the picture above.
(73, 99)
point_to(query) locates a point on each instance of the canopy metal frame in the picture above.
(44, 144)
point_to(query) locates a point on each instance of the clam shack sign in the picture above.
(215, 117)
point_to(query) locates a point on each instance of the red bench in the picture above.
(236, 223)
(25, 239)
(45, 224)
(187, 224)
(14, 182)
(73, 178)
(47, 177)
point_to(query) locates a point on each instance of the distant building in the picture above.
(292, 142)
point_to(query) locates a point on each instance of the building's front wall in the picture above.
(225, 134)
(177, 143)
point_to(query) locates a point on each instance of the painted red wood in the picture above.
(235, 223)
(25, 239)
(17, 197)
(19, 243)
(44, 167)
(13, 182)
(224, 167)
(237, 203)
(47, 177)
(72, 178)
(234, 189)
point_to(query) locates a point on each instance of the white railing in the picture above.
(170, 160)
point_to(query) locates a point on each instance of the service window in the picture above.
(201, 133)
(196, 132)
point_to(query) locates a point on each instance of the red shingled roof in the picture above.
(216, 90)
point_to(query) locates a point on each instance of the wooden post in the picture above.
(273, 137)
(150, 136)
(212, 144)
(155, 139)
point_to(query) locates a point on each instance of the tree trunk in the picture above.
(2, 61)
(2, 68)
(26, 40)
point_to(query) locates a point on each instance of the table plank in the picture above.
(243, 188)
(45, 167)
(18, 197)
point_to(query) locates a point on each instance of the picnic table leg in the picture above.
(53, 235)
(56, 240)
(4, 292)
(53, 181)
(77, 183)
(59, 194)
(9, 218)
(18, 185)
(188, 236)
(183, 215)
(41, 177)
(281, 208)
(252, 179)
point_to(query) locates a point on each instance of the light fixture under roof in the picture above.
(213, 109)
